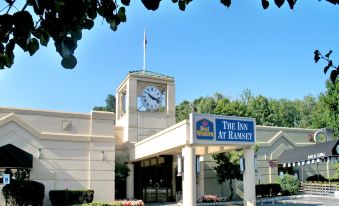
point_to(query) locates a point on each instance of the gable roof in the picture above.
(14, 157)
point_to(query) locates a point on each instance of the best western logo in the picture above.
(205, 129)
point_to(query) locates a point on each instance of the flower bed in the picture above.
(117, 203)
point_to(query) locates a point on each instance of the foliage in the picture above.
(265, 190)
(22, 174)
(36, 22)
(209, 198)
(326, 111)
(70, 197)
(227, 167)
(121, 174)
(335, 69)
(110, 104)
(117, 203)
(289, 184)
(317, 177)
(182, 111)
(24, 193)
(309, 112)
(336, 166)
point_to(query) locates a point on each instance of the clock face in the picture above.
(151, 98)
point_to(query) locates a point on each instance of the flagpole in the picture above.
(145, 42)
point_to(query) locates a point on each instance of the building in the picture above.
(167, 160)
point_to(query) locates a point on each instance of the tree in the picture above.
(228, 168)
(326, 112)
(64, 21)
(183, 110)
(110, 104)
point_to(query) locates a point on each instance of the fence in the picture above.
(324, 189)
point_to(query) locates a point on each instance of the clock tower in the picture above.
(145, 105)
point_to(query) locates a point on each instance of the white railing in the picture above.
(323, 189)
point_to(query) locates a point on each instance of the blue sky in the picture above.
(208, 48)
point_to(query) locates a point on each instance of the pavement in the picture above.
(298, 200)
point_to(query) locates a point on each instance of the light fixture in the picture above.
(318, 160)
(265, 157)
(102, 155)
(197, 160)
(179, 163)
(284, 165)
(39, 154)
(289, 165)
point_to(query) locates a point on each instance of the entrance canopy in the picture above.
(13, 157)
(309, 153)
(206, 133)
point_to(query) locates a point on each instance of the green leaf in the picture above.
(76, 34)
(326, 68)
(291, 3)
(69, 62)
(2, 48)
(10, 59)
(125, 2)
(44, 38)
(87, 24)
(151, 4)
(182, 5)
(265, 4)
(3, 60)
(334, 75)
(121, 14)
(279, 3)
(328, 54)
(316, 56)
(226, 2)
(33, 46)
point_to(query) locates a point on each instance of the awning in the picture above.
(14, 157)
(318, 151)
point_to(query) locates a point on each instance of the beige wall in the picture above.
(77, 151)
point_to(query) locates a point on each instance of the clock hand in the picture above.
(156, 99)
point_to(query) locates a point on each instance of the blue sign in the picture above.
(6, 179)
(205, 129)
(234, 130)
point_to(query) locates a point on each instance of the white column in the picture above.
(130, 182)
(189, 178)
(249, 178)
(201, 178)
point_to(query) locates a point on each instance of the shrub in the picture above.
(70, 197)
(317, 177)
(20, 193)
(265, 190)
(289, 184)
(275, 189)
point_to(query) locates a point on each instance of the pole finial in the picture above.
(145, 44)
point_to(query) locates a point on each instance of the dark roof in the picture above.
(316, 151)
(150, 73)
(14, 157)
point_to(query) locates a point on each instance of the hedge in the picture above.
(70, 197)
(24, 193)
(266, 190)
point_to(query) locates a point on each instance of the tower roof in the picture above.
(150, 73)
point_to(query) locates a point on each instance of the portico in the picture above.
(190, 140)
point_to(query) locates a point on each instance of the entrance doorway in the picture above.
(153, 179)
